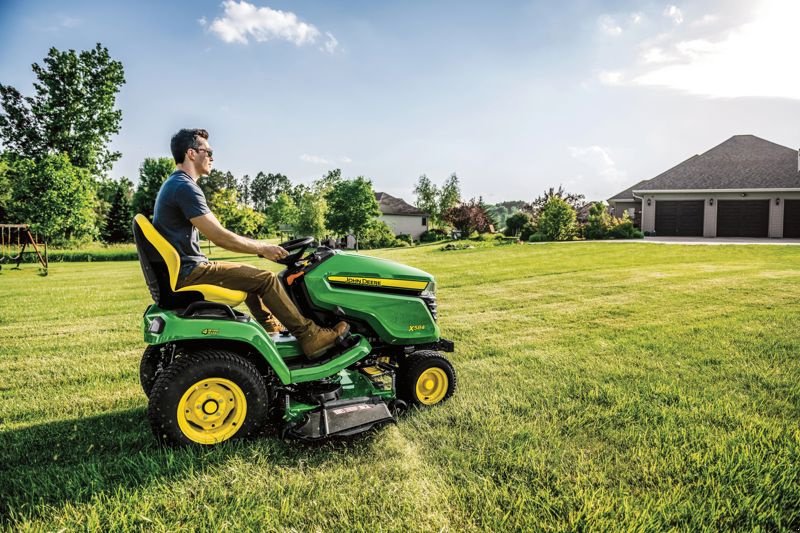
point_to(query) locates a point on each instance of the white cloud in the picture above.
(202, 21)
(599, 160)
(317, 160)
(674, 13)
(749, 59)
(242, 21)
(609, 26)
(705, 20)
(636, 18)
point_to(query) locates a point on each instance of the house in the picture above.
(400, 216)
(744, 187)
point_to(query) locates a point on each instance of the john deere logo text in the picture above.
(416, 327)
(210, 331)
(363, 281)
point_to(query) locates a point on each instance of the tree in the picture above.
(215, 182)
(468, 217)
(377, 234)
(5, 190)
(236, 217)
(117, 226)
(351, 207)
(283, 211)
(450, 194)
(265, 188)
(427, 198)
(576, 201)
(152, 174)
(327, 182)
(55, 197)
(516, 222)
(311, 216)
(243, 189)
(72, 111)
(436, 201)
(556, 220)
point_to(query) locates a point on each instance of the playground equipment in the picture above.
(19, 236)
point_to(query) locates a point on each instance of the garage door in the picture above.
(743, 218)
(791, 219)
(679, 219)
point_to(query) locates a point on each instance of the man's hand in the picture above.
(272, 252)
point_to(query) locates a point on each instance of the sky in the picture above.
(514, 97)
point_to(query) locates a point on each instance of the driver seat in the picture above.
(161, 263)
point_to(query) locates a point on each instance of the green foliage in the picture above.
(351, 207)
(433, 235)
(117, 226)
(576, 201)
(516, 222)
(435, 201)
(449, 247)
(5, 190)
(557, 220)
(282, 212)
(215, 182)
(527, 230)
(311, 216)
(72, 112)
(265, 188)
(623, 228)
(599, 222)
(55, 197)
(328, 182)
(237, 218)
(377, 235)
(536, 237)
(406, 238)
(153, 172)
(467, 218)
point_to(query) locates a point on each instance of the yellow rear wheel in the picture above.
(432, 386)
(212, 410)
(208, 397)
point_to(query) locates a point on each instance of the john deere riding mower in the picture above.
(212, 373)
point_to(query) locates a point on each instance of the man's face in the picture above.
(201, 156)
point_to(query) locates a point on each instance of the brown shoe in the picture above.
(273, 325)
(319, 340)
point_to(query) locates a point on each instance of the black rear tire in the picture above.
(154, 361)
(207, 397)
(426, 378)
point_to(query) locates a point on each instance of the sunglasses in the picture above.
(208, 152)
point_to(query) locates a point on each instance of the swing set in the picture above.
(19, 236)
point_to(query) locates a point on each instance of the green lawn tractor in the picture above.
(212, 373)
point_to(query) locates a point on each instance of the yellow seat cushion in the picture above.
(212, 293)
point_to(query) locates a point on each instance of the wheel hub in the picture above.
(212, 410)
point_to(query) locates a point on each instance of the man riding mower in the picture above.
(212, 373)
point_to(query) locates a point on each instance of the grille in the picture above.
(430, 302)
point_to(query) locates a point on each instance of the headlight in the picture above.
(430, 289)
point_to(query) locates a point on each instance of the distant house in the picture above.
(744, 187)
(401, 217)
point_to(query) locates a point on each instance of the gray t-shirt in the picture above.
(178, 200)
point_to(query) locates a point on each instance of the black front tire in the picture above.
(426, 378)
(207, 397)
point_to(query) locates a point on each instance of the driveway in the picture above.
(719, 240)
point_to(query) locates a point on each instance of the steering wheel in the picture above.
(299, 245)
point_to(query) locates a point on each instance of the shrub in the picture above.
(377, 235)
(433, 235)
(536, 237)
(557, 220)
(600, 222)
(515, 223)
(406, 238)
(400, 244)
(527, 230)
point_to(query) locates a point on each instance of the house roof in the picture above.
(389, 205)
(741, 162)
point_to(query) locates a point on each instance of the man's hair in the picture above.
(183, 140)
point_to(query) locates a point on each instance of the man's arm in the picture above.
(213, 230)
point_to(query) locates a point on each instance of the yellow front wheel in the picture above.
(426, 378)
(208, 397)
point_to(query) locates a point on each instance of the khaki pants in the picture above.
(264, 292)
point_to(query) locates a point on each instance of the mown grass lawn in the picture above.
(602, 386)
